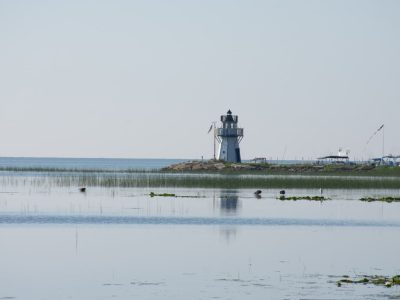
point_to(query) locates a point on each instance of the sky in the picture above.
(145, 79)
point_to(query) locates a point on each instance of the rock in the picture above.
(198, 167)
(219, 166)
(388, 284)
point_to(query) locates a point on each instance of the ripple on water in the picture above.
(93, 219)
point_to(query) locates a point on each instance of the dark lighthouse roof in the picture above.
(229, 117)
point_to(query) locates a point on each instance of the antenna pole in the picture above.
(383, 143)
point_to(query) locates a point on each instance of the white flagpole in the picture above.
(383, 142)
(215, 137)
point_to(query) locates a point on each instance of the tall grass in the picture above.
(208, 181)
(306, 169)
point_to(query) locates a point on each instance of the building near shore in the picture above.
(333, 159)
(387, 160)
(229, 137)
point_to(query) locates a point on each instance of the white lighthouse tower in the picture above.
(229, 137)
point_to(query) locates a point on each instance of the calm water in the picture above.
(119, 243)
(87, 163)
(100, 163)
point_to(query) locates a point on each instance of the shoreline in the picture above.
(218, 167)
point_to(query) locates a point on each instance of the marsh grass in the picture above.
(264, 169)
(152, 179)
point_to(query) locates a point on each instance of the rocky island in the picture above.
(267, 168)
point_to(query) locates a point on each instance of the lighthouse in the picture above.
(229, 137)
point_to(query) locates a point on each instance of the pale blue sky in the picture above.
(146, 78)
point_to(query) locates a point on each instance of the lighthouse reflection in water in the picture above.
(229, 203)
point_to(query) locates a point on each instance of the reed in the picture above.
(146, 179)
(299, 169)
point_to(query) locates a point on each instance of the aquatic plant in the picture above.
(163, 180)
(375, 279)
(310, 198)
(381, 199)
(234, 169)
(152, 194)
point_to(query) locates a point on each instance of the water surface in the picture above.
(120, 243)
